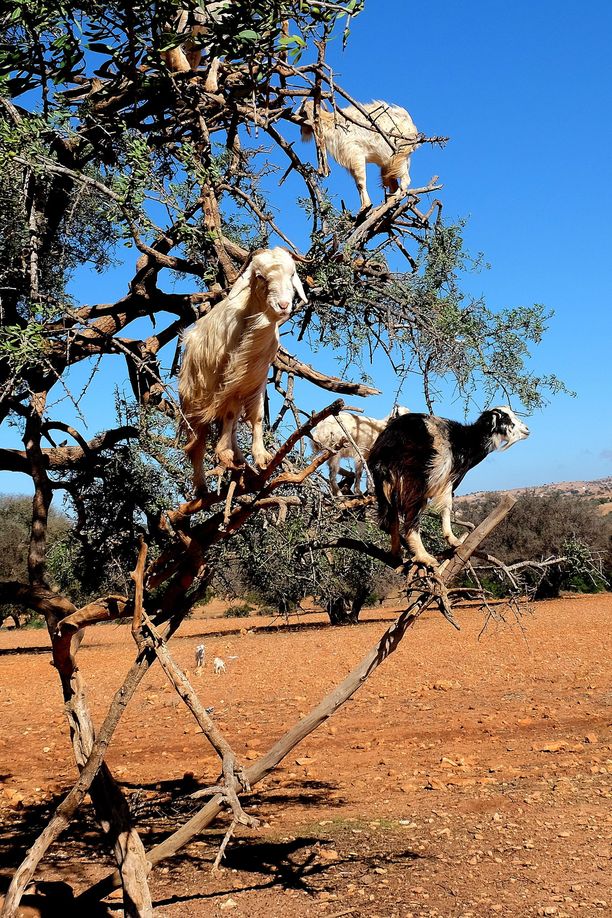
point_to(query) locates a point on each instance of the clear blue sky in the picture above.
(524, 92)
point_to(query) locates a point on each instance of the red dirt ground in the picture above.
(469, 777)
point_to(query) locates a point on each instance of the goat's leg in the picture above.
(334, 464)
(193, 55)
(235, 445)
(404, 179)
(396, 541)
(211, 84)
(176, 60)
(195, 450)
(358, 475)
(358, 171)
(446, 507)
(255, 415)
(418, 550)
(227, 451)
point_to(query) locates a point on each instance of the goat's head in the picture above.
(274, 274)
(397, 411)
(505, 427)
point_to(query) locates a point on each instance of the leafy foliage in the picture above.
(107, 156)
(271, 561)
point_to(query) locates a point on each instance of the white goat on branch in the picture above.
(332, 434)
(228, 354)
(387, 137)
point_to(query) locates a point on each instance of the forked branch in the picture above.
(417, 603)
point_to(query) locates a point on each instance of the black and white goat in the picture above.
(420, 458)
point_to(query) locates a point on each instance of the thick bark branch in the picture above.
(61, 458)
(288, 364)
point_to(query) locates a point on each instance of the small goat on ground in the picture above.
(353, 140)
(218, 666)
(200, 656)
(228, 354)
(328, 434)
(420, 457)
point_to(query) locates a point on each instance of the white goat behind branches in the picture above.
(195, 23)
(329, 434)
(387, 137)
(228, 354)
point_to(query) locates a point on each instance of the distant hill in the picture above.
(598, 491)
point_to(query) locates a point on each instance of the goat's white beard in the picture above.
(502, 442)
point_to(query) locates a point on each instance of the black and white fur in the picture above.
(420, 458)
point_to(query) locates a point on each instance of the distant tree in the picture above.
(15, 523)
(271, 561)
(549, 526)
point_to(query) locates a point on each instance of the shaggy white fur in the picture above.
(228, 354)
(353, 141)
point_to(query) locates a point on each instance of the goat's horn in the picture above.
(296, 255)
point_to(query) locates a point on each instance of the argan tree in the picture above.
(110, 155)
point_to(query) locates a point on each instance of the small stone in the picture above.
(435, 784)
(558, 746)
(229, 903)
(328, 854)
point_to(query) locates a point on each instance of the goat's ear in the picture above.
(242, 281)
(497, 419)
(297, 286)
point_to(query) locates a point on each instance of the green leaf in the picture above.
(100, 47)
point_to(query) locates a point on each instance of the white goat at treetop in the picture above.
(353, 140)
(195, 23)
(228, 353)
(328, 434)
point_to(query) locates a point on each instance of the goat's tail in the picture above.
(393, 169)
(306, 132)
(386, 499)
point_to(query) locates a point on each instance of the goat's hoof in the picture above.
(230, 460)
(262, 459)
(427, 561)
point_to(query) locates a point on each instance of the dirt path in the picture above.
(468, 778)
